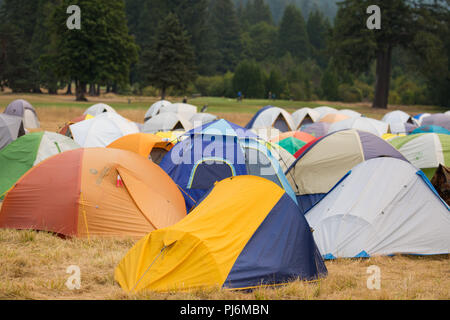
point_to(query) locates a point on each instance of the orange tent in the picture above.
(94, 192)
(303, 136)
(334, 117)
(148, 145)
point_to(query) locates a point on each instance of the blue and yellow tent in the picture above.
(216, 151)
(246, 233)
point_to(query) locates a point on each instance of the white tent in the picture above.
(420, 118)
(401, 128)
(98, 108)
(447, 113)
(373, 126)
(350, 113)
(267, 133)
(305, 116)
(398, 116)
(156, 108)
(183, 109)
(384, 206)
(53, 143)
(273, 117)
(324, 110)
(166, 121)
(102, 130)
(198, 119)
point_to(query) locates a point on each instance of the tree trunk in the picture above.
(53, 89)
(81, 91)
(69, 88)
(163, 93)
(92, 89)
(108, 88)
(383, 79)
(98, 91)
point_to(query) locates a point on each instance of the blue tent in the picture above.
(216, 151)
(430, 128)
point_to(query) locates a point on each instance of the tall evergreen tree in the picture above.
(101, 52)
(170, 60)
(17, 23)
(292, 35)
(249, 79)
(319, 29)
(226, 35)
(257, 11)
(356, 47)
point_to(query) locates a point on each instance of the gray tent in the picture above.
(10, 129)
(25, 110)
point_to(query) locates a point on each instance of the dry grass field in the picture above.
(33, 264)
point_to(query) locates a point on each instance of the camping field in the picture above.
(33, 265)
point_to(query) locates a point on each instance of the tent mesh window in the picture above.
(207, 173)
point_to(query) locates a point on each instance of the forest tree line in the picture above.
(302, 50)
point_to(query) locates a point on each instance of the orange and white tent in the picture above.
(94, 192)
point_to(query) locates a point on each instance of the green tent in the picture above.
(426, 150)
(22, 154)
(291, 144)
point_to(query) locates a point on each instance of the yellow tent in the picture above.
(226, 241)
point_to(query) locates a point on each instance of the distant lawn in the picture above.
(215, 104)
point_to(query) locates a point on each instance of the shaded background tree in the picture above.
(169, 62)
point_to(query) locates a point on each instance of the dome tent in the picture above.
(318, 129)
(183, 109)
(373, 126)
(333, 118)
(326, 161)
(167, 121)
(426, 150)
(398, 116)
(305, 116)
(271, 116)
(350, 113)
(437, 119)
(384, 206)
(293, 141)
(22, 108)
(419, 117)
(97, 109)
(101, 130)
(202, 118)
(430, 129)
(146, 144)
(65, 130)
(324, 110)
(402, 128)
(28, 151)
(156, 108)
(198, 252)
(97, 192)
(216, 151)
(11, 128)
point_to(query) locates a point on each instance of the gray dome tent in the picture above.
(11, 128)
(23, 109)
